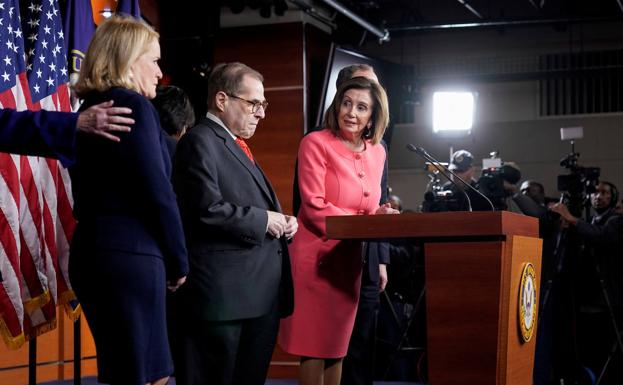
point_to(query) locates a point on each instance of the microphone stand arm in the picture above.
(436, 163)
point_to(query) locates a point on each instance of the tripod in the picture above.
(618, 343)
(403, 344)
(555, 351)
(595, 251)
(404, 297)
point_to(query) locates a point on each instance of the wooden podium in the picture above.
(474, 263)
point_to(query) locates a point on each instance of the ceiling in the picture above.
(400, 17)
(401, 13)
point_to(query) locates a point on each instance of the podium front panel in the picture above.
(462, 308)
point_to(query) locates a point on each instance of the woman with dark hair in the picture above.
(340, 170)
(175, 110)
(176, 113)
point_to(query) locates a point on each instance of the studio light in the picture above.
(453, 112)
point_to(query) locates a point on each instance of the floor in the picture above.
(93, 381)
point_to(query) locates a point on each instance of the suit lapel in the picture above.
(253, 168)
(269, 189)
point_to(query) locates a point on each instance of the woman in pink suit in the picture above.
(340, 169)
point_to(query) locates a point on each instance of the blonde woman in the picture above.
(128, 245)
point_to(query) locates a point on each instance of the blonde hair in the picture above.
(116, 45)
(380, 109)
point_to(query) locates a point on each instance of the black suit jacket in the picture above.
(237, 270)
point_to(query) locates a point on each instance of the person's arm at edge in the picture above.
(53, 133)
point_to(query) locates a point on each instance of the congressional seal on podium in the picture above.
(527, 302)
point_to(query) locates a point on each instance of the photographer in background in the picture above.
(534, 190)
(598, 283)
(513, 200)
(462, 163)
(395, 202)
(548, 221)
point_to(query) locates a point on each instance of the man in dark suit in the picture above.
(240, 281)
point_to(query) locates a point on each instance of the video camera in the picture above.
(581, 181)
(578, 184)
(440, 201)
(440, 197)
(491, 183)
(494, 174)
(436, 197)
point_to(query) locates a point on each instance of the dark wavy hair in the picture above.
(175, 110)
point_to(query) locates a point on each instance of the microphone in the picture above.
(437, 164)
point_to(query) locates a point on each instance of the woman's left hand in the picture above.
(386, 208)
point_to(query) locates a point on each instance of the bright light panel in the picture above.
(453, 111)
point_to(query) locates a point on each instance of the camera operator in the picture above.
(462, 163)
(395, 202)
(534, 190)
(511, 198)
(548, 221)
(599, 282)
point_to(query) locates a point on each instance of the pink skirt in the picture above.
(327, 280)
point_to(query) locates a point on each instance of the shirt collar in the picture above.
(218, 121)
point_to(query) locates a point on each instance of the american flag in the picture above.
(13, 82)
(78, 30)
(48, 79)
(36, 221)
(47, 59)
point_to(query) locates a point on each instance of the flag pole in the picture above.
(32, 361)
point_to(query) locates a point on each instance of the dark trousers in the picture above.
(234, 352)
(358, 366)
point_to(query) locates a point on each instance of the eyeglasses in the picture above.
(255, 106)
